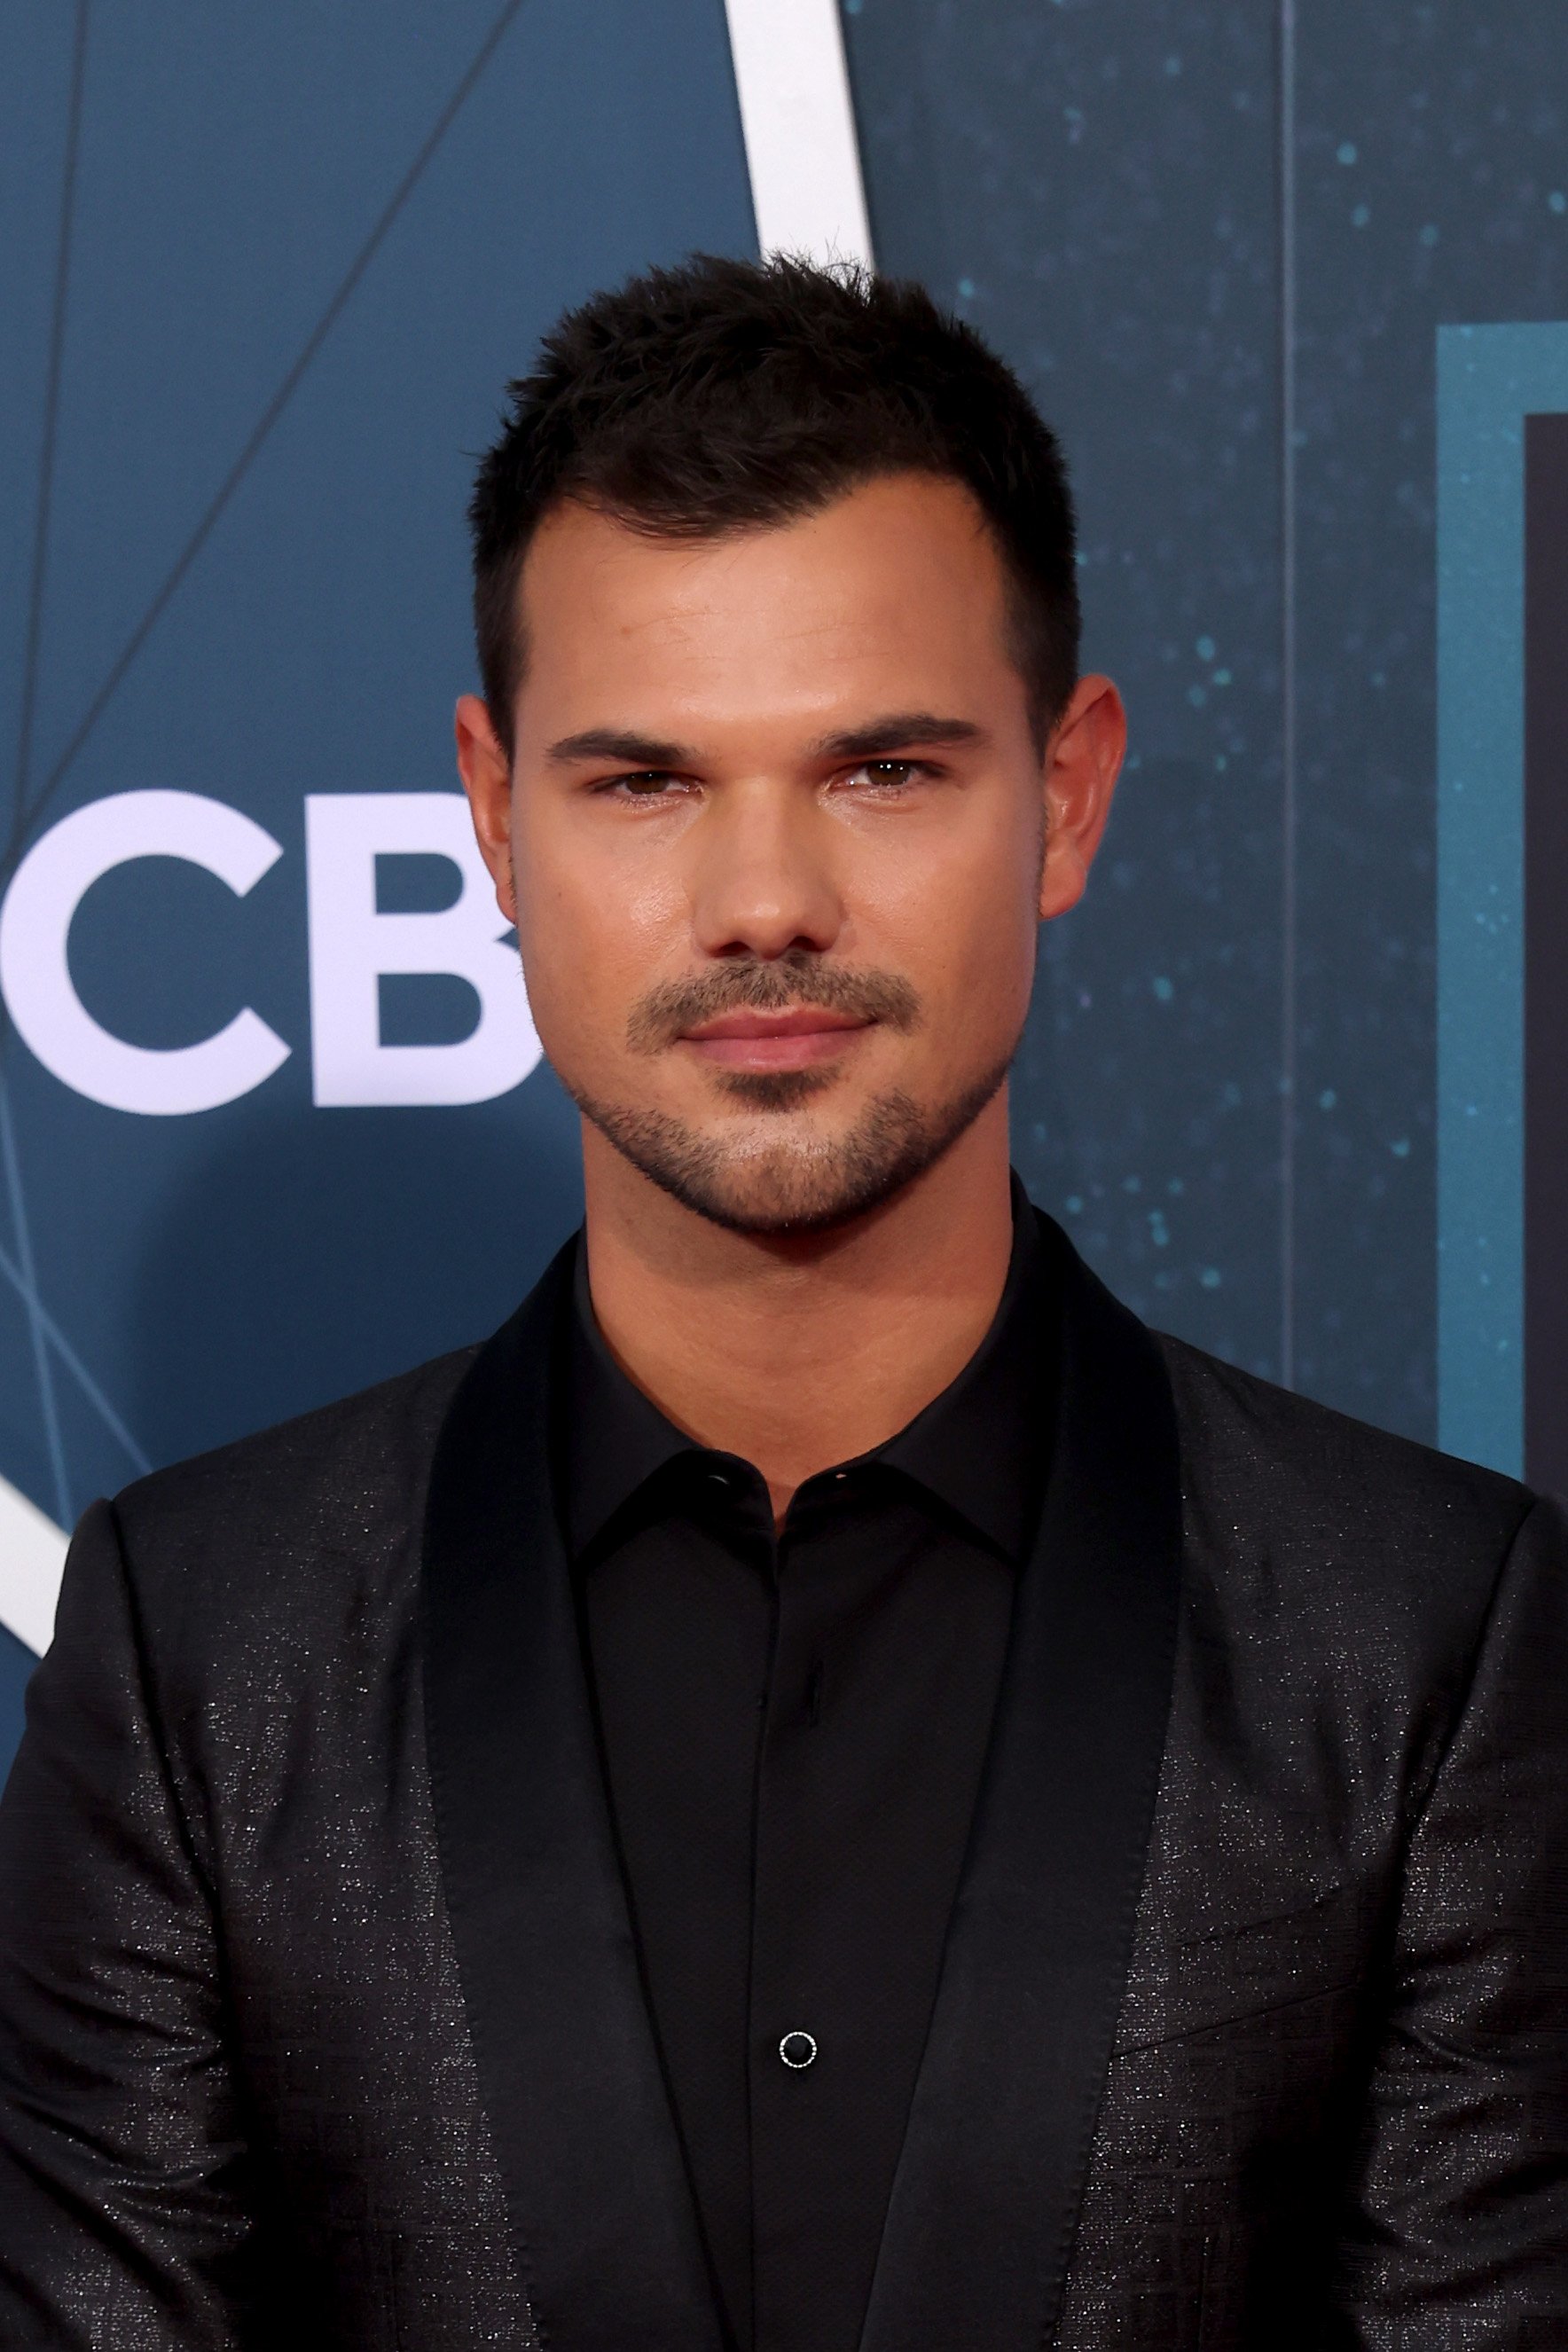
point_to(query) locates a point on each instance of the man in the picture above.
(824, 1787)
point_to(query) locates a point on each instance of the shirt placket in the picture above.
(791, 2038)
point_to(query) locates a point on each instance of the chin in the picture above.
(751, 1179)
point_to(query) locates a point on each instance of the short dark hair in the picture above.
(700, 400)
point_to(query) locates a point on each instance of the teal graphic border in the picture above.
(1490, 379)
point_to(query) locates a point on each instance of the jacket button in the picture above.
(797, 2050)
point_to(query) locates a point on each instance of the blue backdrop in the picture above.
(265, 274)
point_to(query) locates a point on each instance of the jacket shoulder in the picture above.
(345, 1482)
(1277, 1467)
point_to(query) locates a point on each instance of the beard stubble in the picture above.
(795, 1183)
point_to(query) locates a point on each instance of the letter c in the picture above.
(35, 971)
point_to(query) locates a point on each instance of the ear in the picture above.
(1083, 760)
(487, 779)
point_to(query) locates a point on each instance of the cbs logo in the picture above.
(351, 946)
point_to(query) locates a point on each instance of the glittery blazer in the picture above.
(319, 2014)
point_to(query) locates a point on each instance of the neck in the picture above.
(799, 1352)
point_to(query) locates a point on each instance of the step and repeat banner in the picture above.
(1289, 281)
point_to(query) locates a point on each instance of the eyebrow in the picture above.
(615, 743)
(896, 729)
(893, 730)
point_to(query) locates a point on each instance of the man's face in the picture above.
(773, 842)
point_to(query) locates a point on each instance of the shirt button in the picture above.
(797, 2050)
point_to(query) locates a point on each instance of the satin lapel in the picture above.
(986, 2195)
(600, 2207)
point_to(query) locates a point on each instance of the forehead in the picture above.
(896, 584)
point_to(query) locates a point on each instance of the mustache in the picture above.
(796, 978)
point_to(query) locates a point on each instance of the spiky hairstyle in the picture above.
(723, 396)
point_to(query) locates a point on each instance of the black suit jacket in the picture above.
(320, 2014)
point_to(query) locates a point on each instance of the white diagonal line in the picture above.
(798, 123)
(12, 1273)
(47, 1408)
(32, 1558)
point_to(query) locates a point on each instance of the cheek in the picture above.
(595, 931)
(964, 931)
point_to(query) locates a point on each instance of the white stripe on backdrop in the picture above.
(799, 126)
(31, 1556)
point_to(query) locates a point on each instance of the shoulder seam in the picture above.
(1419, 1801)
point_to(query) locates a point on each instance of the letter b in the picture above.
(353, 944)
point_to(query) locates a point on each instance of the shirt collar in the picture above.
(980, 1448)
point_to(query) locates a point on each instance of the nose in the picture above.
(761, 881)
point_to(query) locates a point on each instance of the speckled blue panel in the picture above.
(1193, 227)
(1490, 380)
(1434, 157)
(1094, 187)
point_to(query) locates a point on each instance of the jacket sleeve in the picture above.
(1459, 2236)
(124, 2215)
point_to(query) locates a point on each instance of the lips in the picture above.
(791, 1040)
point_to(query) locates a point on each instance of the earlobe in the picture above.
(1063, 879)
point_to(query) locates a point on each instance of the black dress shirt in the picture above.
(792, 1724)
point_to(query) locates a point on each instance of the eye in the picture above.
(643, 784)
(886, 775)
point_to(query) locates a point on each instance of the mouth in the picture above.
(793, 1040)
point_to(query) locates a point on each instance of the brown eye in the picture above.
(890, 774)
